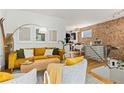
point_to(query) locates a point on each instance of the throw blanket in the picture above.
(55, 72)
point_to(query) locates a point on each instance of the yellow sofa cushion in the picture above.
(5, 76)
(40, 57)
(72, 61)
(39, 51)
(18, 62)
(53, 56)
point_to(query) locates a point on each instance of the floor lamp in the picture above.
(4, 41)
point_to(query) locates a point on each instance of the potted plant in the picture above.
(63, 42)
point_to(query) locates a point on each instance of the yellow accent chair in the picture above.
(4, 76)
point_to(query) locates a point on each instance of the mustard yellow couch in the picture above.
(14, 62)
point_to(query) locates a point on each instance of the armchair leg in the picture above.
(46, 78)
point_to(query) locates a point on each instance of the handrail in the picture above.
(100, 57)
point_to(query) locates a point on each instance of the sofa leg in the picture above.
(11, 69)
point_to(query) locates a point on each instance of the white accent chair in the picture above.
(75, 74)
(24, 78)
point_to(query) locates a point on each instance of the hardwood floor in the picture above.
(94, 64)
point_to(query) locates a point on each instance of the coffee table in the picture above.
(38, 64)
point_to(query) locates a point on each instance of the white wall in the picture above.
(15, 18)
(114, 74)
(117, 75)
(1, 46)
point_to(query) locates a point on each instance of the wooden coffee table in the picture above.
(38, 64)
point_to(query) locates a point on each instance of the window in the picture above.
(24, 34)
(86, 34)
(52, 35)
(41, 34)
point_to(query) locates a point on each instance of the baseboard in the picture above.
(2, 68)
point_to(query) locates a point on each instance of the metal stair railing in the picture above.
(103, 60)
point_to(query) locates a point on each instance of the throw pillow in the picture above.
(20, 53)
(56, 51)
(48, 52)
(72, 61)
(5, 76)
(39, 51)
(28, 53)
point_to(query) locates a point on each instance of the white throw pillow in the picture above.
(48, 52)
(28, 53)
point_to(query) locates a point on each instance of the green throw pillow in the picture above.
(56, 51)
(20, 53)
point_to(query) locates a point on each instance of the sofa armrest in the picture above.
(61, 53)
(12, 58)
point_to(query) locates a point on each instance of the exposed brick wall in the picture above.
(110, 32)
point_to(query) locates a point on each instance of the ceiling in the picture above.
(76, 18)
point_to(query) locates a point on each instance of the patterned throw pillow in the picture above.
(28, 53)
(48, 52)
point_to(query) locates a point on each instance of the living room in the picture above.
(40, 45)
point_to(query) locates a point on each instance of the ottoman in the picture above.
(38, 64)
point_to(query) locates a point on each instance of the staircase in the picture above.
(102, 58)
